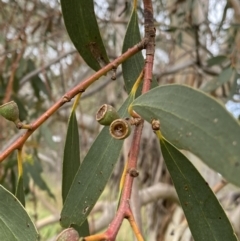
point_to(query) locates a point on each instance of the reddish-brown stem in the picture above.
(96, 237)
(124, 207)
(134, 227)
(150, 47)
(124, 210)
(69, 95)
(219, 186)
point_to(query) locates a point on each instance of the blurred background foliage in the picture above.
(197, 43)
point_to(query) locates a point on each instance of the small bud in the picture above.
(134, 121)
(120, 129)
(69, 234)
(106, 115)
(133, 172)
(155, 125)
(10, 112)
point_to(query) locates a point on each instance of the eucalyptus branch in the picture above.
(147, 195)
(107, 209)
(170, 104)
(150, 47)
(80, 88)
(86, 120)
(124, 210)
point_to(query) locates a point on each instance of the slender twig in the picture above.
(219, 186)
(124, 207)
(124, 210)
(87, 123)
(81, 87)
(135, 227)
(107, 209)
(150, 47)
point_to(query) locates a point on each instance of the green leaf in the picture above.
(206, 218)
(23, 113)
(217, 60)
(132, 67)
(38, 86)
(15, 224)
(20, 191)
(194, 121)
(92, 176)
(82, 27)
(10, 174)
(34, 169)
(22, 68)
(82, 230)
(71, 163)
(170, 29)
(223, 78)
(71, 156)
(179, 38)
(13, 182)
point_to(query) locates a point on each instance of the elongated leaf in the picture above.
(205, 216)
(71, 163)
(20, 191)
(194, 121)
(216, 60)
(71, 157)
(225, 76)
(133, 66)
(38, 85)
(82, 27)
(23, 113)
(92, 176)
(12, 182)
(32, 168)
(83, 230)
(15, 224)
